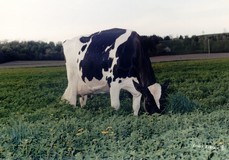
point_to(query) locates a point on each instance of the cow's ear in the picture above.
(139, 88)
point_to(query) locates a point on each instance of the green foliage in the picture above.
(203, 81)
(178, 103)
(30, 50)
(198, 44)
(34, 124)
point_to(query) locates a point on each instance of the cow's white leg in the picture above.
(114, 96)
(128, 85)
(66, 94)
(71, 91)
(70, 95)
(136, 104)
(83, 101)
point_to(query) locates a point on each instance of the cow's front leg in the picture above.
(114, 96)
(136, 103)
(136, 95)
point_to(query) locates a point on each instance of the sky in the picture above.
(58, 20)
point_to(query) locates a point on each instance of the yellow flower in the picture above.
(105, 132)
(80, 130)
(78, 134)
(109, 128)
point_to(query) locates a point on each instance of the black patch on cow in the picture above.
(127, 56)
(120, 81)
(109, 81)
(79, 53)
(97, 54)
(83, 48)
(85, 39)
(77, 60)
(107, 64)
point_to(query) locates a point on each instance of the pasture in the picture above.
(34, 124)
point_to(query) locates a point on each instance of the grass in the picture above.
(34, 124)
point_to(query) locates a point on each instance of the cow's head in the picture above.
(154, 96)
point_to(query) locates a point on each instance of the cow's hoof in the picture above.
(135, 113)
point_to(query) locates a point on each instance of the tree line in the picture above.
(212, 43)
(152, 45)
(30, 50)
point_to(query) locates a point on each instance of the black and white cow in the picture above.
(109, 61)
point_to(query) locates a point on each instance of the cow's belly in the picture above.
(92, 87)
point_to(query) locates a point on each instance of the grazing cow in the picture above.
(109, 61)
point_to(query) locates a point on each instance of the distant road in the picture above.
(25, 64)
(189, 57)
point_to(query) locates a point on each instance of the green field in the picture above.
(34, 124)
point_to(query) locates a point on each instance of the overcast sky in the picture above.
(57, 20)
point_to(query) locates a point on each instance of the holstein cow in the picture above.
(109, 61)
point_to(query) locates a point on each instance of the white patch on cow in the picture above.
(108, 48)
(155, 90)
(94, 86)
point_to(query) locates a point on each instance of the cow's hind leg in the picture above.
(71, 91)
(83, 101)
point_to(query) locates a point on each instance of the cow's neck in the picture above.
(145, 73)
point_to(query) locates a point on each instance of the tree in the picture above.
(181, 37)
(167, 38)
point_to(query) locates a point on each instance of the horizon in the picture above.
(56, 20)
(56, 42)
